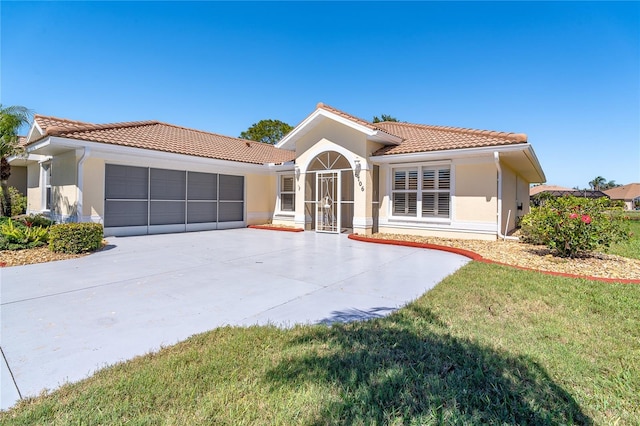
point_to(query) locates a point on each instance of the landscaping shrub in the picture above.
(16, 236)
(75, 237)
(573, 226)
(18, 201)
(35, 220)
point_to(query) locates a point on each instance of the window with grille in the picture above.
(422, 191)
(287, 193)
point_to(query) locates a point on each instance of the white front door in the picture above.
(328, 202)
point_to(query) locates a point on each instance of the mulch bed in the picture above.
(30, 256)
(535, 257)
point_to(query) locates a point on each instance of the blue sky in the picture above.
(565, 73)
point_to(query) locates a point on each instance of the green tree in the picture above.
(12, 118)
(384, 117)
(267, 131)
(597, 183)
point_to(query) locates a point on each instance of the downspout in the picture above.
(85, 155)
(496, 158)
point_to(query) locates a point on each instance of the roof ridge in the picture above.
(56, 130)
(36, 116)
(212, 133)
(519, 137)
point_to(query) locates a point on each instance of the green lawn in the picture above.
(489, 345)
(630, 248)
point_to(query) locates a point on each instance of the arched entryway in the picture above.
(329, 193)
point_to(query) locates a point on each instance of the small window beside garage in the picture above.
(287, 193)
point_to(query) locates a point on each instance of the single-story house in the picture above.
(332, 173)
(537, 193)
(629, 193)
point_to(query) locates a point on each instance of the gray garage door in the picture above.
(142, 200)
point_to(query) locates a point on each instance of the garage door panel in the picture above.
(148, 200)
(168, 184)
(202, 186)
(202, 212)
(126, 182)
(125, 213)
(230, 212)
(231, 188)
(166, 213)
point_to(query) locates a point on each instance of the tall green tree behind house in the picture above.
(267, 131)
(11, 119)
(384, 117)
(600, 184)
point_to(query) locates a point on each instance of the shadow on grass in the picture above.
(407, 369)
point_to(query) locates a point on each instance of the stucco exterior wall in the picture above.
(342, 136)
(34, 194)
(63, 185)
(261, 194)
(475, 197)
(18, 179)
(93, 190)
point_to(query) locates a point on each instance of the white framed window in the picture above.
(405, 192)
(287, 193)
(46, 185)
(421, 191)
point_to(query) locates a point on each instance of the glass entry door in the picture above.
(328, 202)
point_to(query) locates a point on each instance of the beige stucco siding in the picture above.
(34, 194)
(260, 198)
(93, 189)
(475, 195)
(63, 184)
(18, 179)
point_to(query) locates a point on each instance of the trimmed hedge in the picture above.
(75, 237)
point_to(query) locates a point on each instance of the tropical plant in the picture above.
(601, 184)
(12, 118)
(15, 236)
(574, 226)
(18, 201)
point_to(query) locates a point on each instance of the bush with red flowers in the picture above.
(573, 226)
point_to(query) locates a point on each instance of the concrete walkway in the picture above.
(61, 321)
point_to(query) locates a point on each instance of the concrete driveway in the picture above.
(61, 321)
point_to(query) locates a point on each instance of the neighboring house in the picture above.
(629, 193)
(332, 173)
(559, 191)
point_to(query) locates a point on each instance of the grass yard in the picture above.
(489, 345)
(630, 248)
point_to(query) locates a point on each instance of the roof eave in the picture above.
(320, 114)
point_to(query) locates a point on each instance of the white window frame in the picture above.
(46, 197)
(420, 191)
(282, 192)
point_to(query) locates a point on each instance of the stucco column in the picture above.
(299, 218)
(362, 209)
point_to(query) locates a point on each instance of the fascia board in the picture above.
(301, 129)
(34, 127)
(115, 152)
(452, 153)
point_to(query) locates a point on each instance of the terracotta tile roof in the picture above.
(22, 141)
(46, 122)
(541, 188)
(624, 192)
(158, 136)
(424, 138)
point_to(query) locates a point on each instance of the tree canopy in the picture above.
(600, 184)
(267, 131)
(384, 117)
